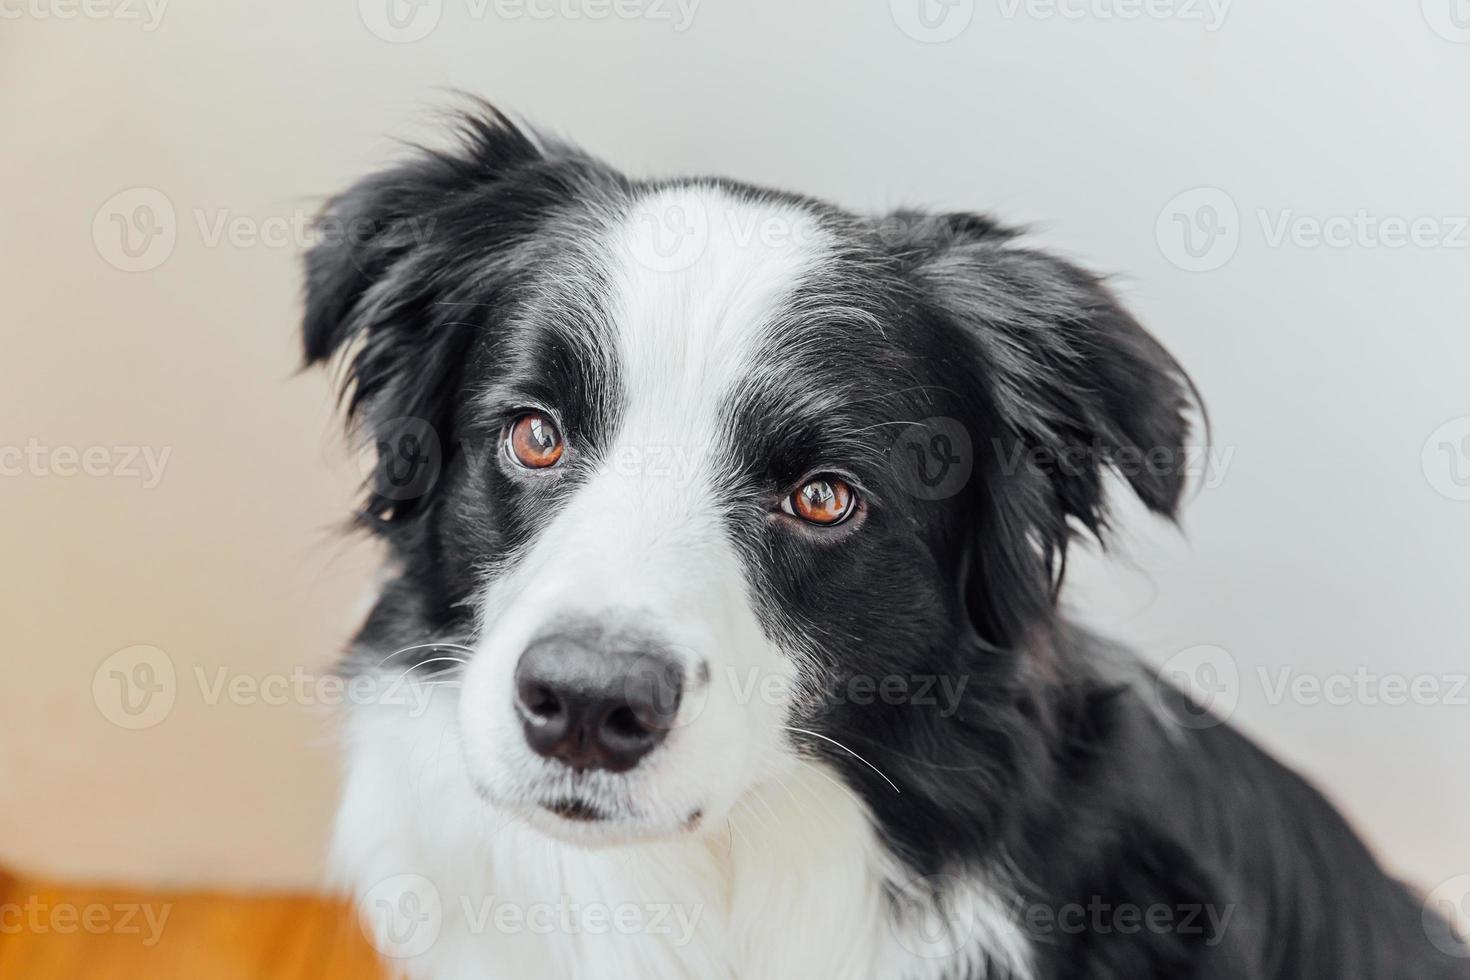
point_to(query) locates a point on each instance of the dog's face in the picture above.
(710, 481)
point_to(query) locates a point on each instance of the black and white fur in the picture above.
(785, 829)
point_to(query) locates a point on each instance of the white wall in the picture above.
(1330, 540)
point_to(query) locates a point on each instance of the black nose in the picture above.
(595, 705)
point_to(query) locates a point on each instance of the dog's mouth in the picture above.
(574, 809)
(581, 811)
(578, 819)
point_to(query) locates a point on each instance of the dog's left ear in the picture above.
(391, 281)
(1066, 385)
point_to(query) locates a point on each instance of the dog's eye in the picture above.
(822, 500)
(534, 441)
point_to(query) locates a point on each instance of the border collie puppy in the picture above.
(719, 635)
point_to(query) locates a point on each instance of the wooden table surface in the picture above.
(65, 931)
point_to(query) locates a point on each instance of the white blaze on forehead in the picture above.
(697, 276)
(641, 540)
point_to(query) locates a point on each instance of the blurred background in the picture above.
(1279, 190)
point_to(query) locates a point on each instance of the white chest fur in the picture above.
(794, 886)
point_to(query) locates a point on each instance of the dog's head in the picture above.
(710, 480)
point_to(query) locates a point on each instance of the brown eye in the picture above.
(824, 500)
(534, 441)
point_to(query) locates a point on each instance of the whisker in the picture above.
(730, 822)
(902, 391)
(760, 798)
(796, 800)
(936, 766)
(815, 806)
(847, 750)
(758, 818)
(435, 660)
(879, 425)
(857, 800)
(425, 646)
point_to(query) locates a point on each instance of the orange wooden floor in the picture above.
(62, 931)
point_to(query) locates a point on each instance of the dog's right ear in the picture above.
(387, 281)
(1065, 385)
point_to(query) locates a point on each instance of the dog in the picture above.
(719, 630)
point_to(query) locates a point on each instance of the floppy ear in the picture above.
(383, 280)
(1067, 385)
